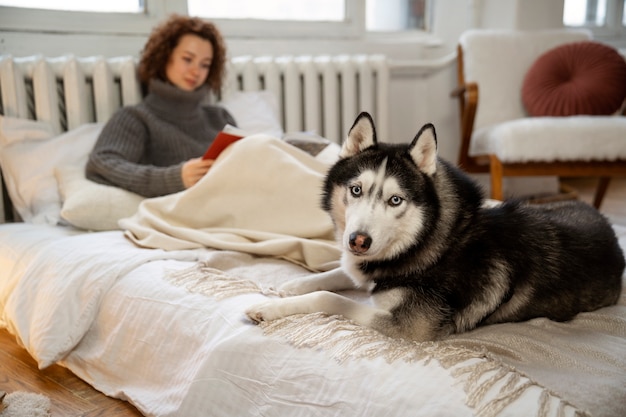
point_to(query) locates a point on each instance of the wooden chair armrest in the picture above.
(468, 103)
(458, 92)
(468, 96)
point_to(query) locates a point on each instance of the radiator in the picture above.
(323, 94)
(67, 91)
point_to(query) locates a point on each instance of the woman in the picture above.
(155, 147)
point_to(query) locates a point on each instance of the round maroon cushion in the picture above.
(574, 79)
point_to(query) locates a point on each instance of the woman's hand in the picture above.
(194, 169)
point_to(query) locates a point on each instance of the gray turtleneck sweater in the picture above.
(142, 148)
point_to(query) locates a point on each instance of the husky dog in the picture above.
(415, 232)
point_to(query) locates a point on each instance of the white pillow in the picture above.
(92, 206)
(14, 130)
(254, 111)
(29, 153)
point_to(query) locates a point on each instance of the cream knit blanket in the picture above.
(262, 197)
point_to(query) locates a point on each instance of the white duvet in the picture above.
(110, 312)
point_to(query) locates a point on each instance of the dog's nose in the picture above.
(360, 242)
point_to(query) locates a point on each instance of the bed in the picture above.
(144, 299)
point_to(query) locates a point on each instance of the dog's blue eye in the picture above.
(355, 190)
(395, 200)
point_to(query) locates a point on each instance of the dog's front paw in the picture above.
(294, 287)
(266, 311)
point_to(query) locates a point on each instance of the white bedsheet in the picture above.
(19, 243)
(133, 335)
(121, 325)
(70, 276)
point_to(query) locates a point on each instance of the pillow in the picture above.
(574, 79)
(29, 153)
(254, 111)
(14, 130)
(92, 206)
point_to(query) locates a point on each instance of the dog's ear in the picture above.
(362, 135)
(423, 149)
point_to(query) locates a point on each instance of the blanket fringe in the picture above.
(490, 384)
(205, 280)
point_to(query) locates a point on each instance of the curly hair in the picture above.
(164, 39)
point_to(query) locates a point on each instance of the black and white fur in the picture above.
(414, 231)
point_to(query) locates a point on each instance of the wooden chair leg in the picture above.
(603, 185)
(495, 172)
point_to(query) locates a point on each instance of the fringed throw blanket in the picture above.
(572, 369)
(262, 196)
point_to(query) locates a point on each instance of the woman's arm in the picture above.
(121, 157)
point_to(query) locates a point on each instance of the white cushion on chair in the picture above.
(582, 138)
(498, 61)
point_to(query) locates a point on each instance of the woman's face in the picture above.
(189, 64)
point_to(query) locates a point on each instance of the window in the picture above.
(332, 19)
(397, 15)
(119, 17)
(118, 6)
(345, 17)
(584, 13)
(302, 10)
(605, 18)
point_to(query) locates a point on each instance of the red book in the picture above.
(221, 142)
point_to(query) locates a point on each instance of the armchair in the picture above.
(564, 138)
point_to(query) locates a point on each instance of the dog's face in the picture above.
(378, 194)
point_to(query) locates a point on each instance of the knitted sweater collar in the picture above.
(171, 103)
